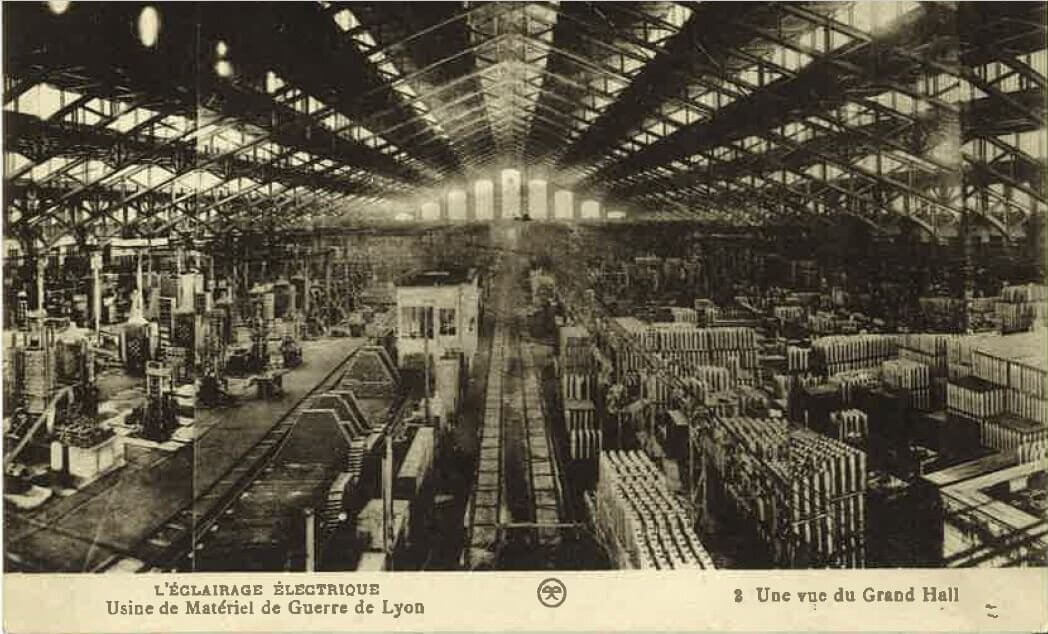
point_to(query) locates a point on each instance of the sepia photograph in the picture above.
(360, 287)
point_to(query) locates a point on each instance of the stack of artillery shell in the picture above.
(975, 399)
(802, 491)
(576, 386)
(851, 424)
(912, 376)
(849, 384)
(790, 313)
(584, 434)
(636, 510)
(797, 359)
(839, 353)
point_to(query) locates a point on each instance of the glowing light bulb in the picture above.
(58, 7)
(223, 68)
(149, 26)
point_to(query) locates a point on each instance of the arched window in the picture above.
(431, 211)
(538, 203)
(590, 210)
(564, 205)
(510, 193)
(484, 207)
(456, 205)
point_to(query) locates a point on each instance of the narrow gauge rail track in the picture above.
(171, 545)
(513, 398)
(545, 490)
(486, 498)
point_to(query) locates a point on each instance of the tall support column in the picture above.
(428, 327)
(234, 283)
(327, 287)
(311, 540)
(96, 289)
(350, 301)
(41, 267)
(966, 287)
(306, 303)
(388, 538)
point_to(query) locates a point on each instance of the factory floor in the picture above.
(114, 383)
(114, 513)
(231, 431)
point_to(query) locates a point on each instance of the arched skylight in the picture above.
(538, 202)
(484, 206)
(589, 210)
(564, 205)
(456, 205)
(510, 193)
(431, 211)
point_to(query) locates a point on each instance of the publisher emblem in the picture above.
(552, 593)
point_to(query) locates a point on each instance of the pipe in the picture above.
(311, 540)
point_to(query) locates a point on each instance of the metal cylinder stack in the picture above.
(931, 349)
(807, 380)
(575, 350)
(584, 433)
(1006, 395)
(850, 383)
(1033, 452)
(975, 399)
(1021, 307)
(797, 359)
(850, 424)
(1005, 434)
(838, 353)
(636, 511)
(1027, 406)
(912, 376)
(690, 346)
(789, 313)
(717, 379)
(576, 386)
(684, 315)
(804, 492)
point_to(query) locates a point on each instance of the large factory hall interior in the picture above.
(361, 286)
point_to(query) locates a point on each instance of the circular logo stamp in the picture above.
(552, 592)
